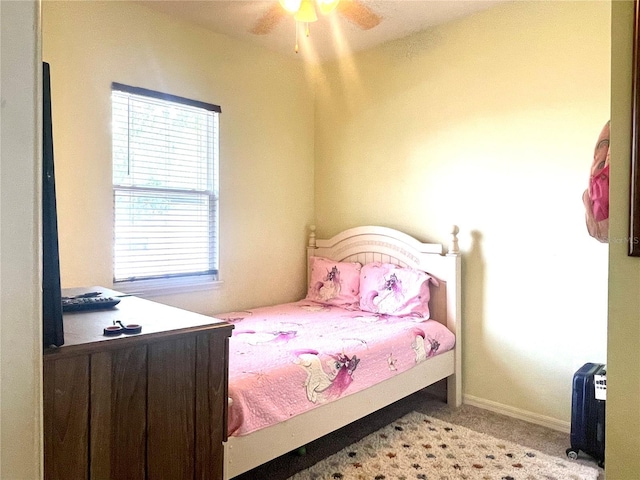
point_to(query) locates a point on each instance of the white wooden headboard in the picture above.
(382, 244)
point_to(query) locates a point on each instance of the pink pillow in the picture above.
(334, 283)
(393, 290)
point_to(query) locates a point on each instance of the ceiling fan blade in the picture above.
(269, 20)
(358, 13)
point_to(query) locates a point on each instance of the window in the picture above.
(165, 188)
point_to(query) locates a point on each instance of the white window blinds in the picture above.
(165, 185)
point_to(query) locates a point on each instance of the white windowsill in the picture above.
(154, 288)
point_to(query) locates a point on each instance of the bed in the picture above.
(329, 377)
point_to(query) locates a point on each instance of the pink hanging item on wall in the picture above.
(596, 197)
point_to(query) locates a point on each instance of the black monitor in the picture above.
(53, 334)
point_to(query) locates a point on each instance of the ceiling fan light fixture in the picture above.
(327, 6)
(306, 13)
(291, 6)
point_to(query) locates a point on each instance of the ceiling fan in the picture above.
(306, 11)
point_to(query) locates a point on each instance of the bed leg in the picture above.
(454, 390)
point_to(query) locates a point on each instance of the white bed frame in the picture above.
(364, 245)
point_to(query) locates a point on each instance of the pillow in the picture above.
(334, 283)
(393, 290)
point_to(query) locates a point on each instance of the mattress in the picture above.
(287, 359)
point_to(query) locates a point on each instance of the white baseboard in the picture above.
(530, 417)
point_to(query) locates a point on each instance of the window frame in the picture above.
(172, 283)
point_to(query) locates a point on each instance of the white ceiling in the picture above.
(330, 36)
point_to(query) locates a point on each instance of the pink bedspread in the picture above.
(290, 358)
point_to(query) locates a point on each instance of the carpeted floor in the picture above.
(428, 402)
(420, 447)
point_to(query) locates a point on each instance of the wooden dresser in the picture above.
(151, 405)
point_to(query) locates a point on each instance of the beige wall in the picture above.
(490, 123)
(20, 304)
(266, 143)
(623, 378)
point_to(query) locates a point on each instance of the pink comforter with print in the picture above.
(287, 359)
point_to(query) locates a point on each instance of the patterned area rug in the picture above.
(418, 447)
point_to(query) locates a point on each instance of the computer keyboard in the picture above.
(81, 304)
